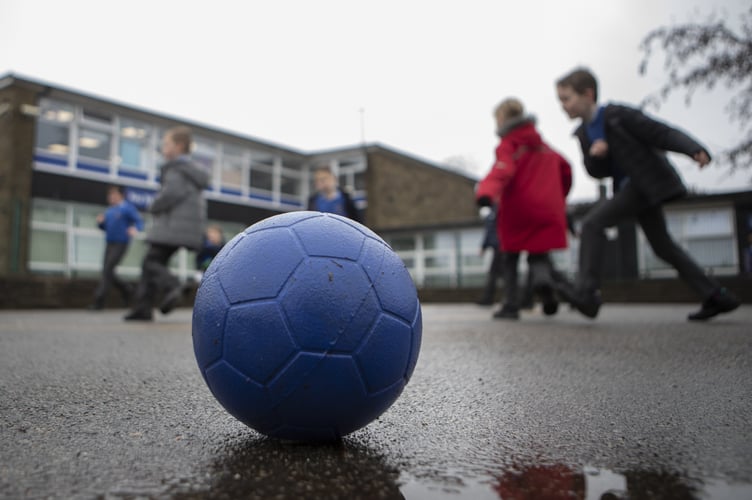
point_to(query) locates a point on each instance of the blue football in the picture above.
(306, 326)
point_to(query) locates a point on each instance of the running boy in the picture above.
(623, 143)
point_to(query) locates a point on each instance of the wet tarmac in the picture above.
(638, 404)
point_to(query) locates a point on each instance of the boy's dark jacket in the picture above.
(637, 145)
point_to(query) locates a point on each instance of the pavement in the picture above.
(637, 404)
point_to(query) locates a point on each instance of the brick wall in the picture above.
(16, 157)
(405, 193)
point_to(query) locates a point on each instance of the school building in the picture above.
(61, 148)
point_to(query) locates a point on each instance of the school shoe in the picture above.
(171, 299)
(588, 303)
(138, 315)
(548, 299)
(507, 312)
(551, 307)
(722, 301)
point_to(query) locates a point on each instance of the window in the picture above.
(94, 144)
(402, 243)
(471, 259)
(43, 211)
(231, 172)
(134, 150)
(48, 247)
(291, 180)
(134, 257)
(352, 173)
(53, 127)
(352, 176)
(204, 153)
(88, 249)
(262, 173)
(95, 136)
(96, 118)
(359, 181)
(85, 216)
(291, 184)
(448, 258)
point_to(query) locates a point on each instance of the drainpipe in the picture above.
(15, 237)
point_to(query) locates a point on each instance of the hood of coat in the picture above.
(521, 129)
(193, 172)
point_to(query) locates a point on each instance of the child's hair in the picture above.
(323, 168)
(510, 107)
(580, 79)
(181, 135)
(117, 188)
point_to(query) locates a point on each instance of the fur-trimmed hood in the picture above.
(514, 123)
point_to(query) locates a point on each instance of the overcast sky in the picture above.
(419, 76)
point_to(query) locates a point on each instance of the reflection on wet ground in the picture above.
(258, 467)
(553, 482)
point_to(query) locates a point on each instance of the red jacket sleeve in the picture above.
(501, 173)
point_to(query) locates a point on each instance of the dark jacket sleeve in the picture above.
(637, 146)
(655, 133)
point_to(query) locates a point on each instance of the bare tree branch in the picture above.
(703, 56)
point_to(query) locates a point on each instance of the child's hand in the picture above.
(100, 218)
(132, 231)
(702, 158)
(599, 148)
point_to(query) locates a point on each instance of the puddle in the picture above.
(554, 482)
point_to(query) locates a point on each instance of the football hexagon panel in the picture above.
(391, 280)
(329, 236)
(259, 266)
(329, 395)
(326, 300)
(257, 341)
(216, 262)
(359, 227)
(254, 408)
(384, 356)
(209, 316)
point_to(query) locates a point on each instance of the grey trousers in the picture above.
(155, 276)
(629, 203)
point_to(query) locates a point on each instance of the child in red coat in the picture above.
(530, 182)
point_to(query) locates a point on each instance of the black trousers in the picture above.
(113, 254)
(629, 203)
(540, 269)
(155, 276)
(494, 273)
